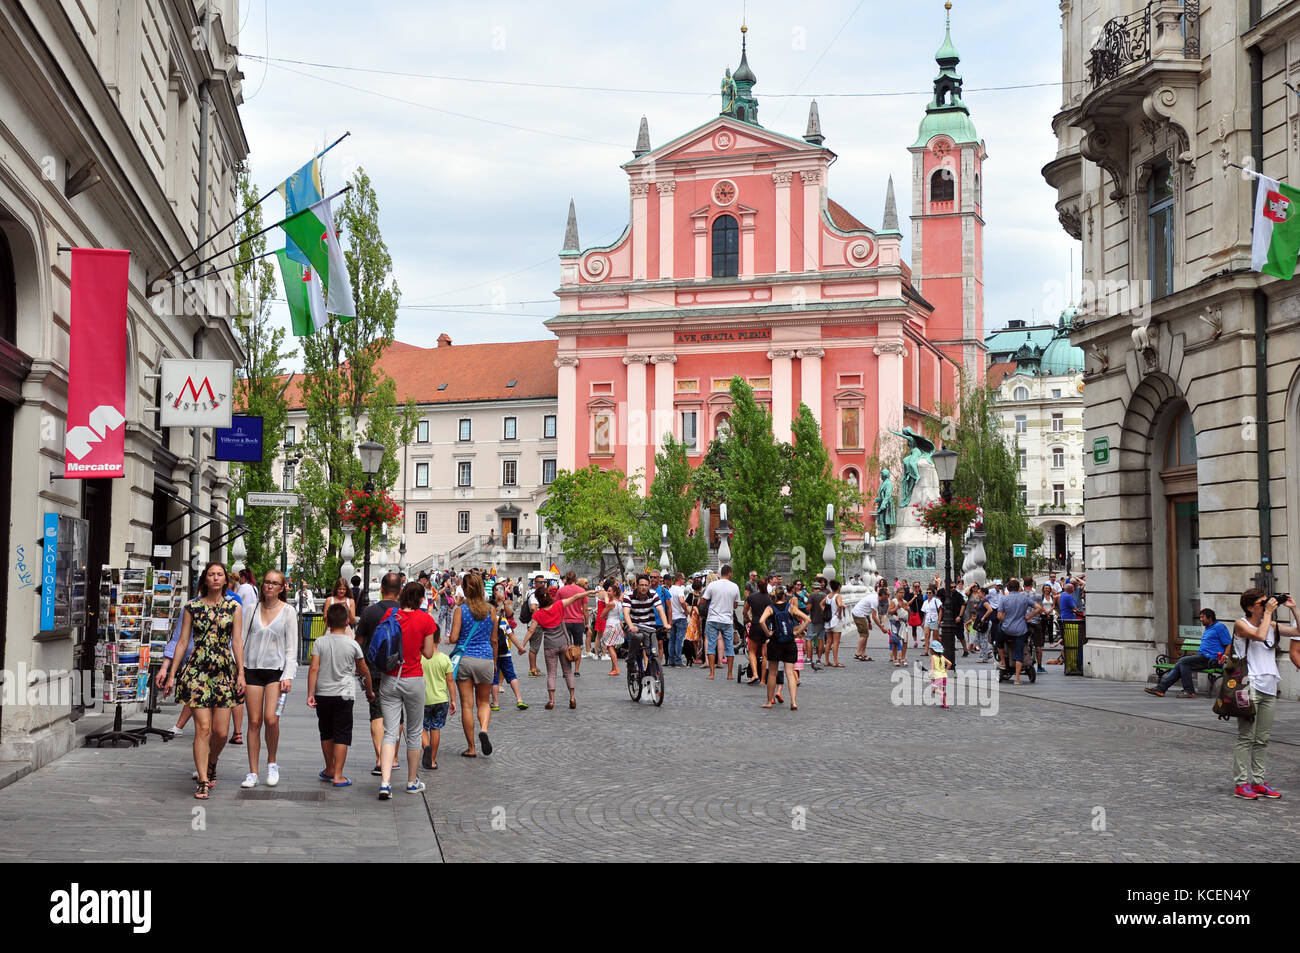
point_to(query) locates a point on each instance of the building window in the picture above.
(1058, 494)
(422, 475)
(464, 473)
(1058, 423)
(289, 434)
(422, 432)
(726, 247)
(1058, 458)
(548, 472)
(462, 521)
(1180, 448)
(690, 430)
(1020, 393)
(1056, 393)
(548, 427)
(1022, 423)
(603, 433)
(942, 186)
(1160, 229)
(421, 521)
(288, 477)
(979, 193)
(510, 431)
(465, 429)
(509, 472)
(1024, 459)
(850, 427)
(1023, 492)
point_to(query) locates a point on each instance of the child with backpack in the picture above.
(336, 663)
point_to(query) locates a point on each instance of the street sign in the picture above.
(1019, 550)
(162, 551)
(1101, 450)
(271, 499)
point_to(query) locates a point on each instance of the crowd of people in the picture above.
(452, 640)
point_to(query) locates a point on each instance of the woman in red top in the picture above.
(598, 625)
(549, 617)
(401, 695)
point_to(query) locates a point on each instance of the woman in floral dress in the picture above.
(214, 674)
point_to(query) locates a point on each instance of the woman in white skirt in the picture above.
(613, 634)
(837, 621)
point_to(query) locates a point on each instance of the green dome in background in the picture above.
(1061, 357)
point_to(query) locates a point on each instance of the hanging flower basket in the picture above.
(368, 510)
(940, 517)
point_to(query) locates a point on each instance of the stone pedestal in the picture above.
(892, 555)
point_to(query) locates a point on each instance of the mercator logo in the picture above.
(102, 419)
(102, 907)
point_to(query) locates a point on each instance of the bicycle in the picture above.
(650, 678)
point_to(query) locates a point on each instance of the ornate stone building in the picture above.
(1192, 390)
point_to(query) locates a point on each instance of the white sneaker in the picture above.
(250, 781)
(272, 774)
(176, 730)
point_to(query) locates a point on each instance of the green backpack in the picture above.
(1233, 700)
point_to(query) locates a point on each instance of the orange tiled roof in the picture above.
(997, 373)
(470, 371)
(842, 218)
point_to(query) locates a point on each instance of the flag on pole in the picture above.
(1275, 245)
(302, 289)
(301, 190)
(313, 231)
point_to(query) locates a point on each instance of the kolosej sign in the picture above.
(196, 393)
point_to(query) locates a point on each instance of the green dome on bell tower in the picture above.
(738, 99)
(946, 114)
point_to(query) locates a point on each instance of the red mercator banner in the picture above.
(96, 438)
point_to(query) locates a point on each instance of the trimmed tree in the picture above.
(671, 500)
(812, 487)
(753, 475)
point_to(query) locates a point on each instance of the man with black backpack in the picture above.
(371, 616)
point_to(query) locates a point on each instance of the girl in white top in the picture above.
(1255, 636)
(930, 609)
(340, 594)
(270, 664)
(838, 616)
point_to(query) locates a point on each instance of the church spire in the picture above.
(571, 231)
(814, 132)
(890, 223)
(946, 114)
(642, 140)
(738, 88)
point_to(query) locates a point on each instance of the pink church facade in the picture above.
(736, 260)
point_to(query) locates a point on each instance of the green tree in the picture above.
(345, 392)
(259, 384)
(753, 475)
(595, 510)
(812, 487)
(671, 500)
(987, 472)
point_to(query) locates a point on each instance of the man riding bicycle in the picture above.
(643, 615)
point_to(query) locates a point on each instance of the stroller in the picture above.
(1029, 667)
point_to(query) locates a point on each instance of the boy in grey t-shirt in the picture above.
(336, 662)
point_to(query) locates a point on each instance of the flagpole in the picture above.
(176, 264)
(249, 238)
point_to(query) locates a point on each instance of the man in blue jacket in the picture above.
(1213, 644)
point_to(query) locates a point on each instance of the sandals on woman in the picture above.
(201, 794)
(212, 774)
(238, 739)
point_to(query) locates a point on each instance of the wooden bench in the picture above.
(1190, 646)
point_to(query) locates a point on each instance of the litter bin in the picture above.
(313, 626)
(1074, 638)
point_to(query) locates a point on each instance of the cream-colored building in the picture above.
(483, 454)
(1192, 386)
(100, 118)
(1039, 379)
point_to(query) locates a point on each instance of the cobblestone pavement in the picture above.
(1068, 769)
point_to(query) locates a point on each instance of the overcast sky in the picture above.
(474, 178)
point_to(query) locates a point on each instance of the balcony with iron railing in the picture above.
(1127, 41)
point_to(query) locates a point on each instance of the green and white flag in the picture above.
(312, 230)
(303, 292)
(1275, 245)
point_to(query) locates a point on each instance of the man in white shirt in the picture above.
(722, 596)
(677, 619)
(865, 612)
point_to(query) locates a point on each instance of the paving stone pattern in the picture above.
(709, 776)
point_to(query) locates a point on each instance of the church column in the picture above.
(566, 423)
(636, 425)
(889, 382)
(782, 391)
(666, 190)
(640, 228)
(663, 415)
(782, 222)
(812, 207)
(810, 378)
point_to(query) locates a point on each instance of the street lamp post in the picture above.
(663, 548)
(372, 455)
(724, 537)
(945, 466)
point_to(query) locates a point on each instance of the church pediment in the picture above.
(721, 138)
